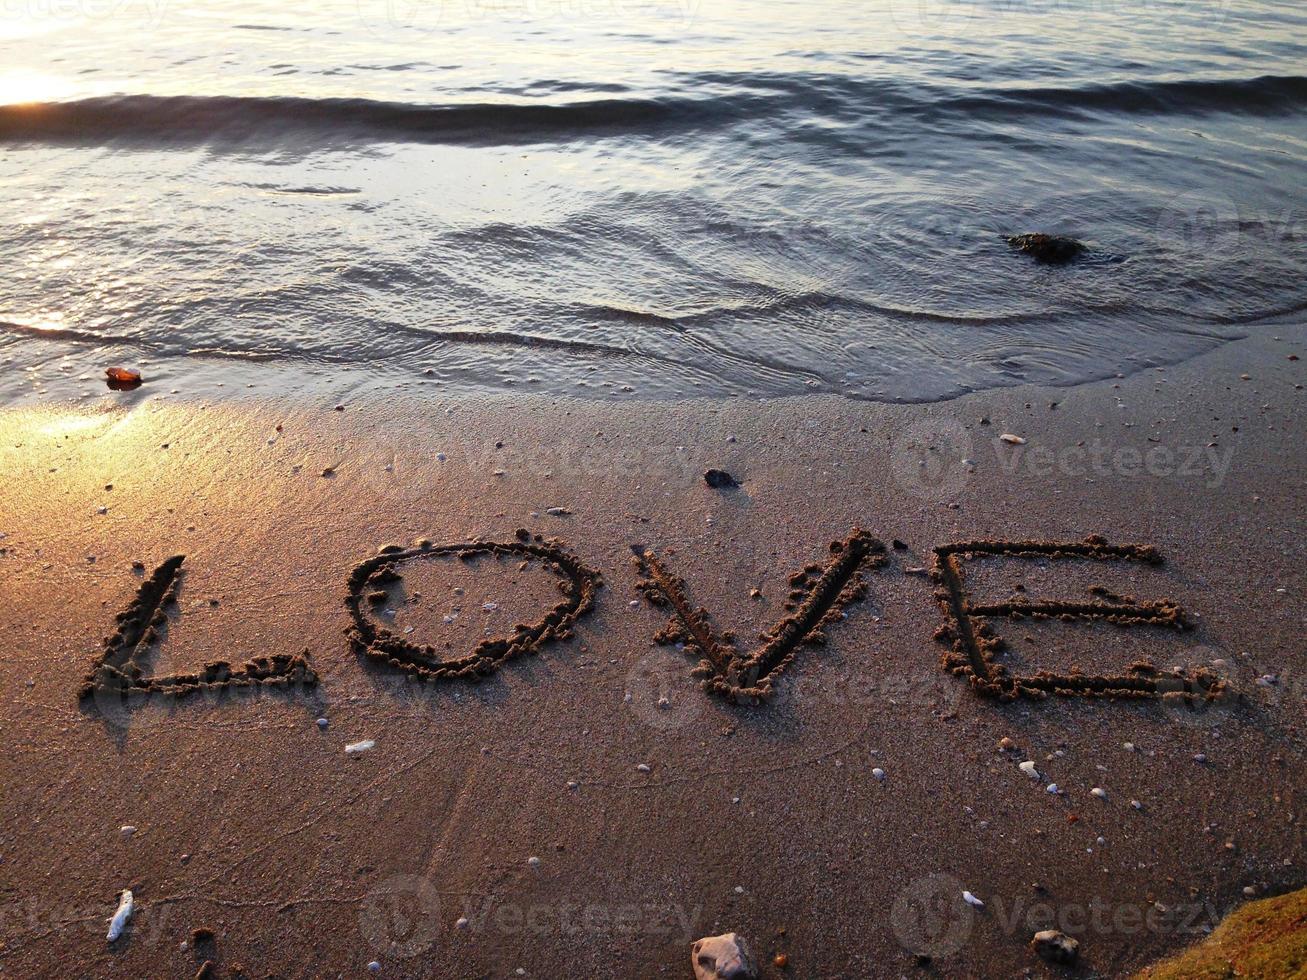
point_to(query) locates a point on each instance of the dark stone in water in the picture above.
(1053, 249)
(719, 479)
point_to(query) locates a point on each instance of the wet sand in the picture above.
(658, 813)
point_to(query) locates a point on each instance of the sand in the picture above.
(580, 807)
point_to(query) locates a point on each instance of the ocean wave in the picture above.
(248, 119)
(732, 97)
(1264, 95)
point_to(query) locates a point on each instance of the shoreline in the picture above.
(66, 367)
(766, 819)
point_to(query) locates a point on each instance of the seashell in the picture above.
(119, 921)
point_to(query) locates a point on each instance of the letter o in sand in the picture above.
(577, 582)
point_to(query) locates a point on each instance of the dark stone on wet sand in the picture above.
(1051, 249)
(719, 479)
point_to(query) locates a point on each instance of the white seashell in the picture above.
(1052, 787)
(971, 899)
(119, 921)
(1008, 437)
(1028, 767)
(354, 748)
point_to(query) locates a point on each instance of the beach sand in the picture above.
(765, 819)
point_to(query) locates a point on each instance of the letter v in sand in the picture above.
(818, 598)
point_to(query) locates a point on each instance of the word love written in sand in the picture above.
(818, 598)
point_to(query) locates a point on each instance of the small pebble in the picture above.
(356, 748)
(127, 831)
(1099, 792)
(878, 773)
(1200, 757)
(462, 923)
(971, 899)
(643, 767)
(533, 861)
(1028, 767)
(322, 723)
(374, 966)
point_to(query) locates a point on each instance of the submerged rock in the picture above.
(1056, 947)
(723, 957)
(1052, 249)
(122, 379)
